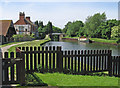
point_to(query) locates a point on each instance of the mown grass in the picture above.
(9, 44)
(60, 79)
(34, 43)
(103, 40)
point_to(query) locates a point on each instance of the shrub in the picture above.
(118, 40)
(22, 37)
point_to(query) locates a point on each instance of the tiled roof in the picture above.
(4, 26)
(24, 22)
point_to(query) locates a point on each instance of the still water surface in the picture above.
(76, 45)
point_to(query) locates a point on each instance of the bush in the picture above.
(118, 40)
(22, 37)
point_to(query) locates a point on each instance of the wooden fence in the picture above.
(13, 68)
(52, 59)
(115, 66)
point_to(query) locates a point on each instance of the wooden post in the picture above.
(59, 59)
(22, 69)
(110, 62)
(119, 66)
(0, 69)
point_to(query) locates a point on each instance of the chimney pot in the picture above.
(28, 18)
(21, 15)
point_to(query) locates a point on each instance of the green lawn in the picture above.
(28, 44)
(103, 40)
(60, 79)
(9, 44)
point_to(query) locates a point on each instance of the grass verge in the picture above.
(9, 44)
(103, 40)
(60, 79)
(28, 44)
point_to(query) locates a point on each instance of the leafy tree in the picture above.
(104, 30)
(56, 30)
(93, 22)
(66, 27)
(41, 24)
(36, 22)
(72, 28)
(115, 33)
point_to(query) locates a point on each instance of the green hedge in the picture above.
(22, 37)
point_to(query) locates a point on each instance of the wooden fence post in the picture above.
(22, 69)
(59, 59)
(110, 62)
(0, 69)
(119, 66)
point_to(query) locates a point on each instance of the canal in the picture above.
(76, 45)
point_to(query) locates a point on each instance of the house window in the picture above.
(21, 28)
(25, 29)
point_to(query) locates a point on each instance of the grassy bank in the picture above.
(98, 40)
(60, 79)
(29, 44)
(103, 40)
(9, 44)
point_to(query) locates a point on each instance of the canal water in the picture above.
(76, 45)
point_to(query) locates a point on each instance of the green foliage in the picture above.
(73, 28)
(114, 32)
(104, 30)
(22, 37)
(56, 30)
(118, 40)
(93, 22)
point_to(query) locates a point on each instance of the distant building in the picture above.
(24, 25)
(7, 30)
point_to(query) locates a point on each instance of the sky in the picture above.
(59, 13)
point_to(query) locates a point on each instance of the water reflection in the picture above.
(75, 45)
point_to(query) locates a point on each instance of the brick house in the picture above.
(24, 25)
(7, 30)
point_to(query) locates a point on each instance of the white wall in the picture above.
(28, 27)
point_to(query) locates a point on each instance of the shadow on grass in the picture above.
(33, 80)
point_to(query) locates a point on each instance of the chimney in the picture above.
(21, 15)
(28, 18)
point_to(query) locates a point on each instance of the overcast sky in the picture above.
(59, 13)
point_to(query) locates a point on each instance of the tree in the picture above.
(56, 30)
(36, 23)
(104, 30)
(41, 24)
(114, 32)
(93, 22)
(66, 27)
(73, 27)
(49, 27)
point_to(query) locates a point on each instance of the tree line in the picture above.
(96, 26)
